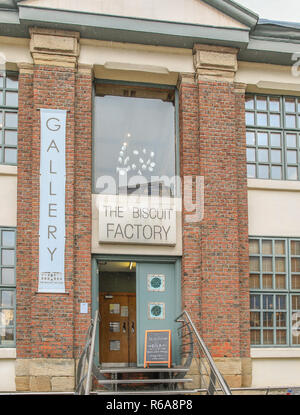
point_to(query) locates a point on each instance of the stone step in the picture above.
(148, 392)
(143, 370)
(120, 381)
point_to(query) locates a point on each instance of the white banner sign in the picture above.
(52, 201)
(137, 220)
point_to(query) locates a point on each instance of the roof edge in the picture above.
(276, 30)
(228, 7)
(236, 11)
(282, 23)
(9, 4)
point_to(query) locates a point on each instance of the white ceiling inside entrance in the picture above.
(115, 266)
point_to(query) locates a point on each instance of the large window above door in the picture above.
(134, 136)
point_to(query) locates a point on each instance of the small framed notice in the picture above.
(114, 308)
(84, 308)
(157, 347)
(124, 311)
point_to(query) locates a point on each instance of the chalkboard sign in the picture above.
(157, 347)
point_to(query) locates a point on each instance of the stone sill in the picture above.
(8, 170)
(8, 353)
(275, 353)
(283, 185)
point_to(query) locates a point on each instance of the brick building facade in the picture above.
(181, 92)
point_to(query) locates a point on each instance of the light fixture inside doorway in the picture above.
(130, 265)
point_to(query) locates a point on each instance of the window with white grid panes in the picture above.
(7, 286)
(274, 291)
(8, 118)
(272, 137)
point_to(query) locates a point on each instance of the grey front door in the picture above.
(158, 303)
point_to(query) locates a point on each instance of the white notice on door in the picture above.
(124, 311)
(114, 308)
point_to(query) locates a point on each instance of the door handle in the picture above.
(132, 327)
(124, 327)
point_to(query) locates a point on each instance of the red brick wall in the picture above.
(189, 166)
(24, 217)
(50, 323)
(215, 251)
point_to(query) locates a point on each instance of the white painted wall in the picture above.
(274, 208)
(132, 62)
(263, 77)
(275, 367)
(187, 11)
(275, 372)
(8, 195)
(7, 370)
(15, 50)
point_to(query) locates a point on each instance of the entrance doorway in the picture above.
(117, 301)
(135, 294)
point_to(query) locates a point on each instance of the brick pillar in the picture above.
(190, 166)
(48, 325)
(83, 203)
(215, 258)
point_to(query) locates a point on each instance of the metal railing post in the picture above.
(207, 354)
(91, 356)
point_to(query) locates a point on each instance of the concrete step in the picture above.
(120, 381)
(148, 392)
(143, 370)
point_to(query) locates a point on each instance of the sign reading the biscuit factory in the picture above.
(136, 221)
(52, 201)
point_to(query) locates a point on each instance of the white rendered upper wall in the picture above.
(182, 11)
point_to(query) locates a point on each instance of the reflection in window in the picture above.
(7, 286)
(8, 118)
(274, 291)
(134, 137)
(273, 137)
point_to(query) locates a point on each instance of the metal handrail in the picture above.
(87, 356)
(80, 376)
(215, 371)
(91, 357)
(267, 389)
(263, 388)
